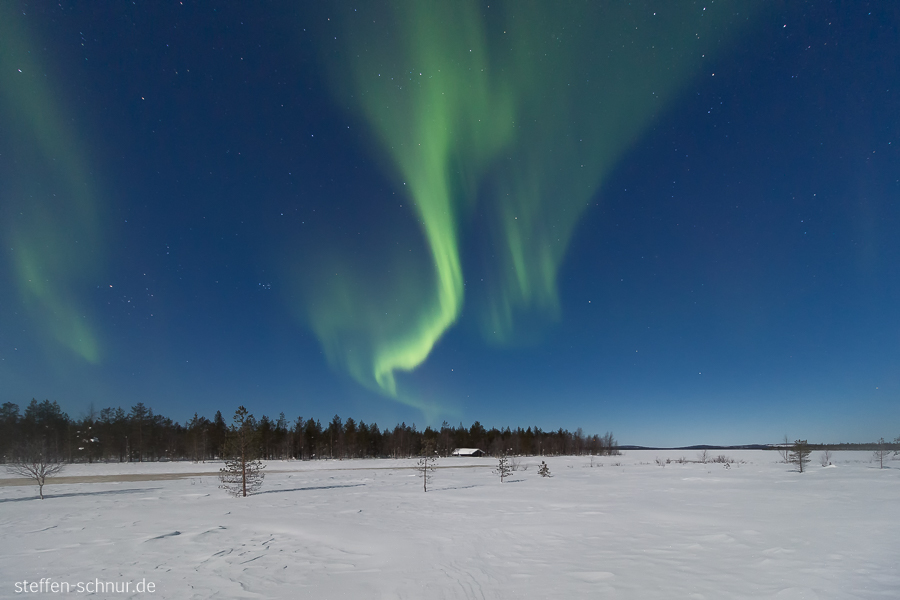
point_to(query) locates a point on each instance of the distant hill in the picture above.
(703, 447)
(868, 446)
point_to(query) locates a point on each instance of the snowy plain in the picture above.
(624, 528)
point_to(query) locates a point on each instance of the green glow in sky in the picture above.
(509, 116)
(429, 97)
(50, 220)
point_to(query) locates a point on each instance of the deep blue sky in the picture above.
(732, 279)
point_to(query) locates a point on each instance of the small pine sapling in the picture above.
(799, 454)
(503, 469)
(544, 470)
(426, 465)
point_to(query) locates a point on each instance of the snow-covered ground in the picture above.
(626, 528)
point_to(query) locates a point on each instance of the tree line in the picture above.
(112, 434)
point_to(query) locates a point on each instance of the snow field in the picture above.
(364, 529)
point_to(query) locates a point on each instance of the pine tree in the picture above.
(544, 470)
(503, 469)
(242, 474)
(799, 454)
(426, 464)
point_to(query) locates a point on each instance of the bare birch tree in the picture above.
(785, 450)
(881, 452)
(34, 463)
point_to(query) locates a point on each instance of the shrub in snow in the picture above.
(544, 470)
(785, 450)
(825, 458)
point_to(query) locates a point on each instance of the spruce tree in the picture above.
(242, 473)
(544, 470)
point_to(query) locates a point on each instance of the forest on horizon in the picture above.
(112, 434)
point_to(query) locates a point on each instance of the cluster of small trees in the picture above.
(798, 453)
(113, 434)
(426, 466)
(784, 447)
(243, 472)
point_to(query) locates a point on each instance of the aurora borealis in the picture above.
(50, 211)
(635, 216)
(493, 117)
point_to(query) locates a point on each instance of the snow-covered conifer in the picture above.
(544, 470)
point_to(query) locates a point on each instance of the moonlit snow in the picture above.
(624, 528)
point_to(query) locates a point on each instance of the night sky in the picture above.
(675, 221)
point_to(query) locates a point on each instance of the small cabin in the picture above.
(467, 452)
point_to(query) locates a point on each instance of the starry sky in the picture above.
(674, 221)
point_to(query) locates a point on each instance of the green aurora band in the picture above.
(50, 221)
(507, 117)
